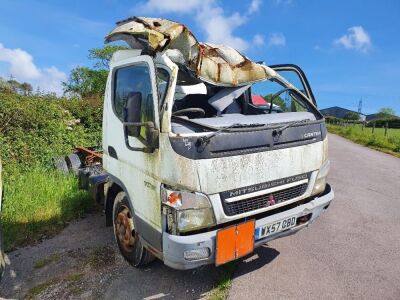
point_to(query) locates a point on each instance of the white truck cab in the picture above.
(205, 164)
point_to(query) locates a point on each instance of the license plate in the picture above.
(273, 228)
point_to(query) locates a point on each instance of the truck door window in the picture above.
(294, 79)
(295, 75)
(134, 79)
(261, 93)
(162, 82)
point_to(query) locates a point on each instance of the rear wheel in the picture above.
(61, 165)
(127, 238)
(73, 162)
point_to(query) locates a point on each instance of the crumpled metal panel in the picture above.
(218, 65)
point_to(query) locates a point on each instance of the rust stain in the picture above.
(218, 65)
(91, 157)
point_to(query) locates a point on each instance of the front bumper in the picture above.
(174, 246)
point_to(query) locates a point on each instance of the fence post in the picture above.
(362, 126)
(373, 127)
(386, 128)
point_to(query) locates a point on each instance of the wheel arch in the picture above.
(115, 186)
(150, 236)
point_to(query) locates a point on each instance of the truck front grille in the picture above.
(254, 203)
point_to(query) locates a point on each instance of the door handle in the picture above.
(112, 152)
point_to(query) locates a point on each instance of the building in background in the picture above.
(340, 112)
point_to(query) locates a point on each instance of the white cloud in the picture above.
(22, 67)
(357, 39)
(254, 6)
(21, 63)
(276, 39)
(258, 40)
(217, 26)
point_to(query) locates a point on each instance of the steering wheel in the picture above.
(199, 111)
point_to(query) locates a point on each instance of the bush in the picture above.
(34, 130)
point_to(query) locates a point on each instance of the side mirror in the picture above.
(132, 113)
(133, 124)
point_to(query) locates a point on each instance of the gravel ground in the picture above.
(83, 262)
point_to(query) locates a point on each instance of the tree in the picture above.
(103, 55)
(91, 82)
(86, 82)
(386, 112)
(26, 88)
(351, 115)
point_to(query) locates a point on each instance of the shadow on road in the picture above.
(259, 258)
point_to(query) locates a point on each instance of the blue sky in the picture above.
(348, 49)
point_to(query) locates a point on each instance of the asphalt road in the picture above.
(351, 252)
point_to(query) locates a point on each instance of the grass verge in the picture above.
(389, 144)
(70, 279)
(48, 260)
(38, 203)
(224, 283)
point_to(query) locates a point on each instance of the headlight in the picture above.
(186, 211)
(320, 182)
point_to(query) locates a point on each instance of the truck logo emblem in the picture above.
(271, 200)
(312, 134)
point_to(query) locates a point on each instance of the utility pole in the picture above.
(360, 106)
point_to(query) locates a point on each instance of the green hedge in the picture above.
(33, 130)
(334, 120)
(39, 201)
(392, 123)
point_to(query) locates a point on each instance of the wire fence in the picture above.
(381, 128)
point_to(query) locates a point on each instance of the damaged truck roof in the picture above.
(218, 65)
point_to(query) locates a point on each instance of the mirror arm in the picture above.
(138, 124)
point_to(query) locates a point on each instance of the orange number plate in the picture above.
(234, 242)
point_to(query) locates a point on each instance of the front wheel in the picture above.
(127, 238)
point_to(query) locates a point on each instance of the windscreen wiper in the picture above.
(279, 131)
(206, 139)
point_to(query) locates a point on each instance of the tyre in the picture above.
(127, 238)
(61, 165)
(73, 162)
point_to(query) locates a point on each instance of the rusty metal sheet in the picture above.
(215, 64)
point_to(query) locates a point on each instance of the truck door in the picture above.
(295, 75)
(129, 159)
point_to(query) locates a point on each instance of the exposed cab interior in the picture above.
(199, 105)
